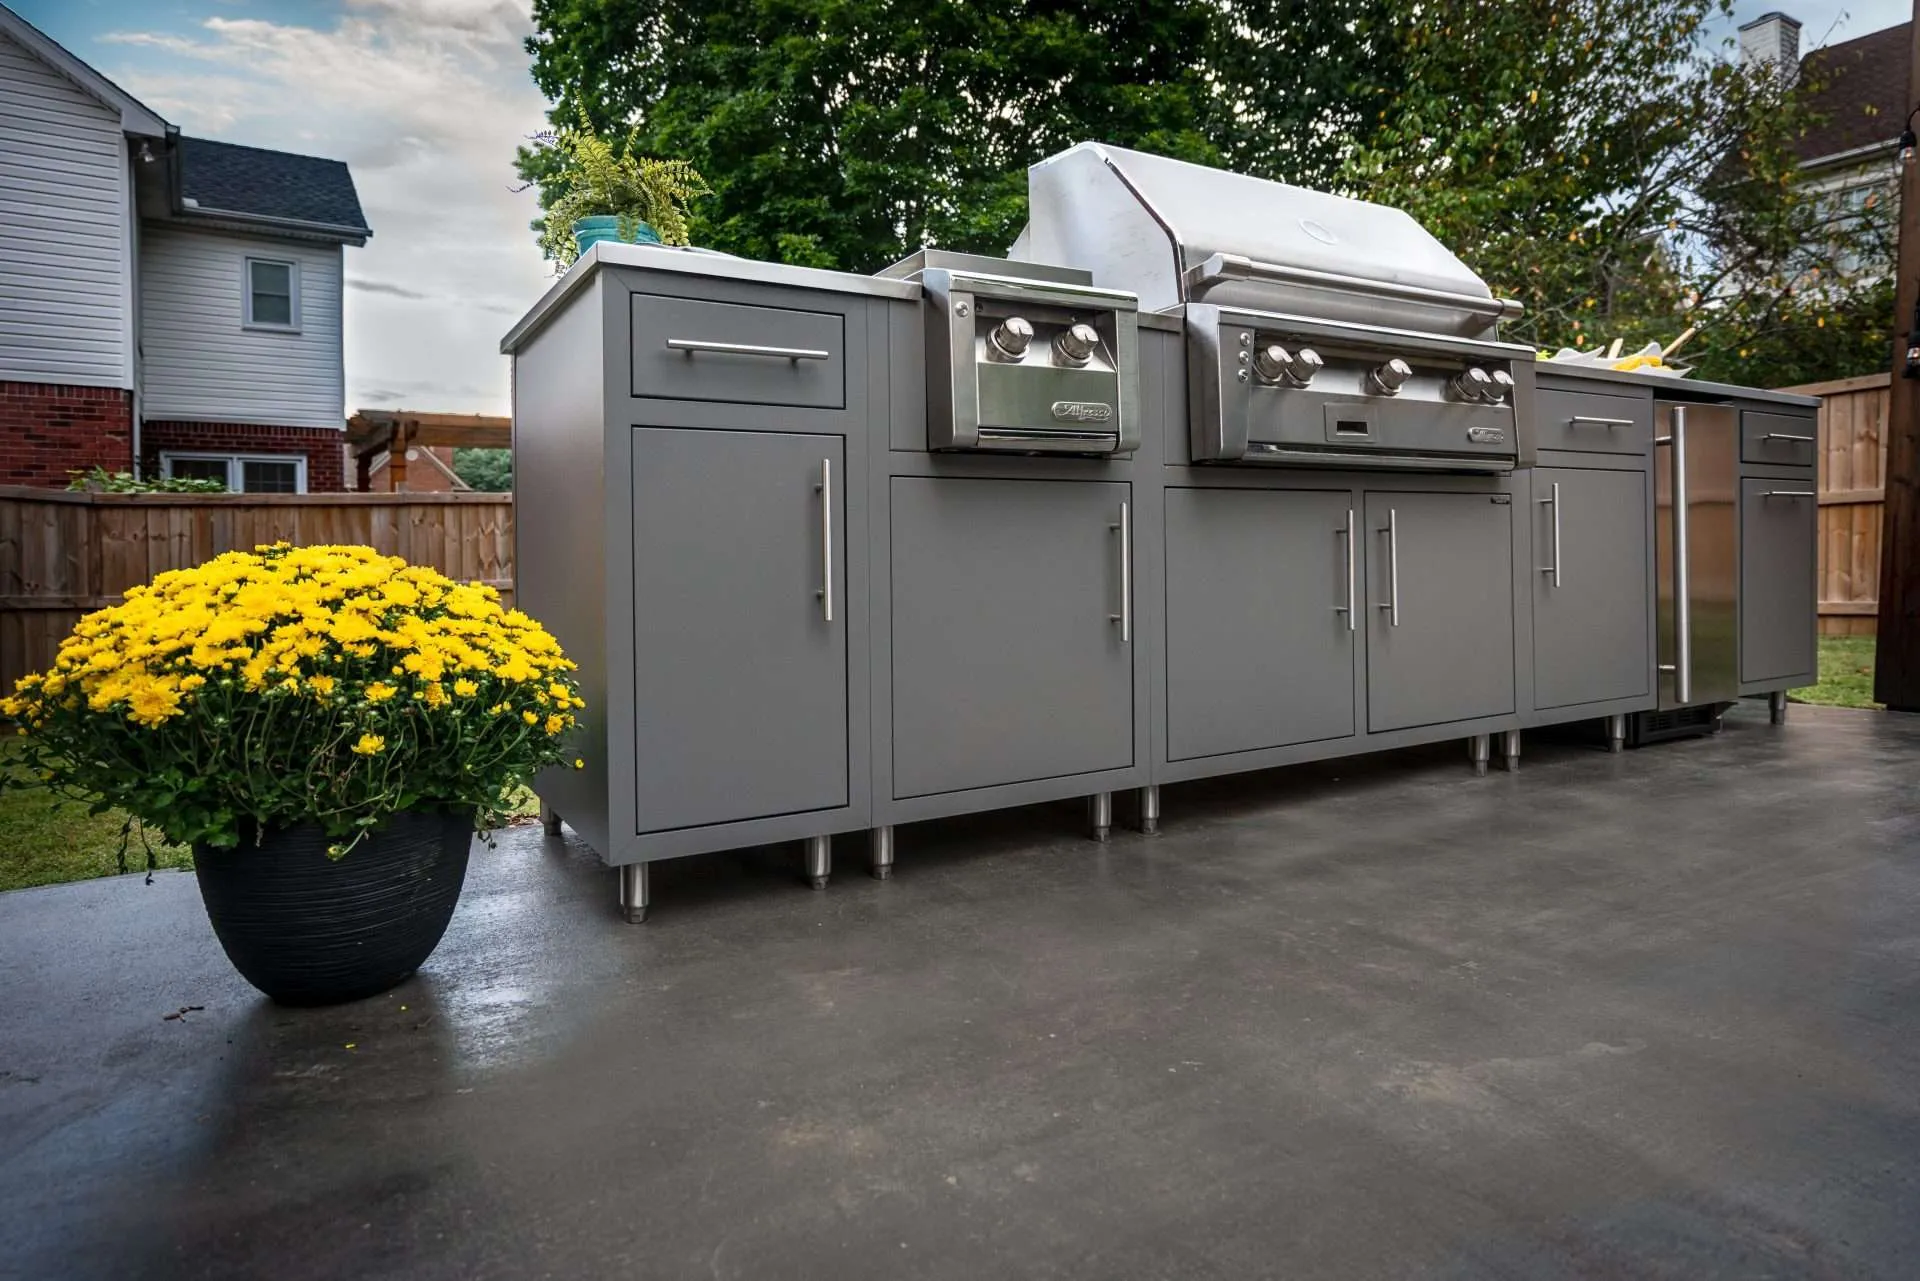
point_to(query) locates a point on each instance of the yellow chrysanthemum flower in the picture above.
(370, 745)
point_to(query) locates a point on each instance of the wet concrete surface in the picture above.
(1654, 1015)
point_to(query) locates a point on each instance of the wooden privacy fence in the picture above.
(1853, 469)
(64, 554)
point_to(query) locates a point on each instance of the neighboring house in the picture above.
(165, 301)
(1859, 88)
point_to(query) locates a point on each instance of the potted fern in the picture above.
(609, 195)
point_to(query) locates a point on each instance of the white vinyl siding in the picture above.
(201, 362)
(65, 284)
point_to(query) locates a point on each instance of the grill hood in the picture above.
(1174, 233)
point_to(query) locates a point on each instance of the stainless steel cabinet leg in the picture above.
(1510, 748)
(1777, 707)
(1100, 815)
(633, 892)
(819, 861)
(1617, 733)
(1479, 750)
(880, 855)
(1149, 810)
(549, 819)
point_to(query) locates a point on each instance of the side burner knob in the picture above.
(1502, 386)
(1008, 339)
(1077, 343)
(1387, 379)
(1474, 385)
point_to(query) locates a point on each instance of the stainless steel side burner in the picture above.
(1040, 362)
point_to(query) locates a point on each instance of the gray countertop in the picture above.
(1662, 387)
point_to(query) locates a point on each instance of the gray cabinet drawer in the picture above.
(688, 349)
(1589, 423)
(1786, 439)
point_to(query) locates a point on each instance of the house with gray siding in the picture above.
(167, 303)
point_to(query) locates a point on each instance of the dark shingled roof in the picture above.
(269, 184)
(1865, 83)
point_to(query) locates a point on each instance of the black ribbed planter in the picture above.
(310, 930)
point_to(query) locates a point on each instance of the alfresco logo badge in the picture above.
(1486, 435)
(1082, 411)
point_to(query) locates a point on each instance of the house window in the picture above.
(241, 473)
(273, 294)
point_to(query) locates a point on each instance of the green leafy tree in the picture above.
(490, 471)
(1622, 176)
(846, 133)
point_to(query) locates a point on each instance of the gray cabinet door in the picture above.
(1778, 603)
(1259, 650)
(1439, 572)
(740, 681)
(1591, 593)
(1008, 658)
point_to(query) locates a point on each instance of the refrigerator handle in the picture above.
(1682, 584)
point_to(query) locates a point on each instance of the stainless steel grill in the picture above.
(1320, 330)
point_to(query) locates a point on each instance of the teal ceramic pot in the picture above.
(588, 232)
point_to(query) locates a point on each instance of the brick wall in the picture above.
(47, 431)
(323, 447)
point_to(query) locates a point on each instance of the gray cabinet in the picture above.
(1012, 631)
(1439, 603)
(740, 675)
(1591, 594)
(1259, 644)
(1778, 605)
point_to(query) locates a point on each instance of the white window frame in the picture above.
(293, 294)
(235, 473)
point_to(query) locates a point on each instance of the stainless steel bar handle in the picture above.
(1787, 435)
(1554, 502)
(1392, 531)
(1791, 493)
(1125, 616)
(1682, 579)
(1592, 421)
(826, 538)
(691, 345)
(1350, 608)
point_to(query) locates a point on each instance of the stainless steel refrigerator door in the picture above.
(1696, 528)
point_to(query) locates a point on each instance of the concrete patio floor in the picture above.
(1655, 1015)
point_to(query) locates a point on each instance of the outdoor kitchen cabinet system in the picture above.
(1209, 475)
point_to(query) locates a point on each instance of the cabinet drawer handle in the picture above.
(1392, 604)
(825, 488)
(1352, 571)
(1790, 493)
(1125, 616)
(1592, 421)
(691, 345)
(1554, 502)
(1787, 435)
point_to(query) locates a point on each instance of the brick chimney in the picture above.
(1772, 39)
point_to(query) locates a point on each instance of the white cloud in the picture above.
(425, 100)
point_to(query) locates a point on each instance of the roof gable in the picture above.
(252, 183)
(1861, 86)
(135, 117)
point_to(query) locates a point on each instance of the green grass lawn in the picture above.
(47, 841)
(1846, 673)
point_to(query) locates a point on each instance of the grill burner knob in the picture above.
(1474, 385)
(1502, 386)
(1386, 380)
(1076, 344)
(1009, 338)
(1275, 363)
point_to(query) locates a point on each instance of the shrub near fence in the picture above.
(63, 555)
(1852, 471)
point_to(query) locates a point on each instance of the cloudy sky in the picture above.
(426, 100)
